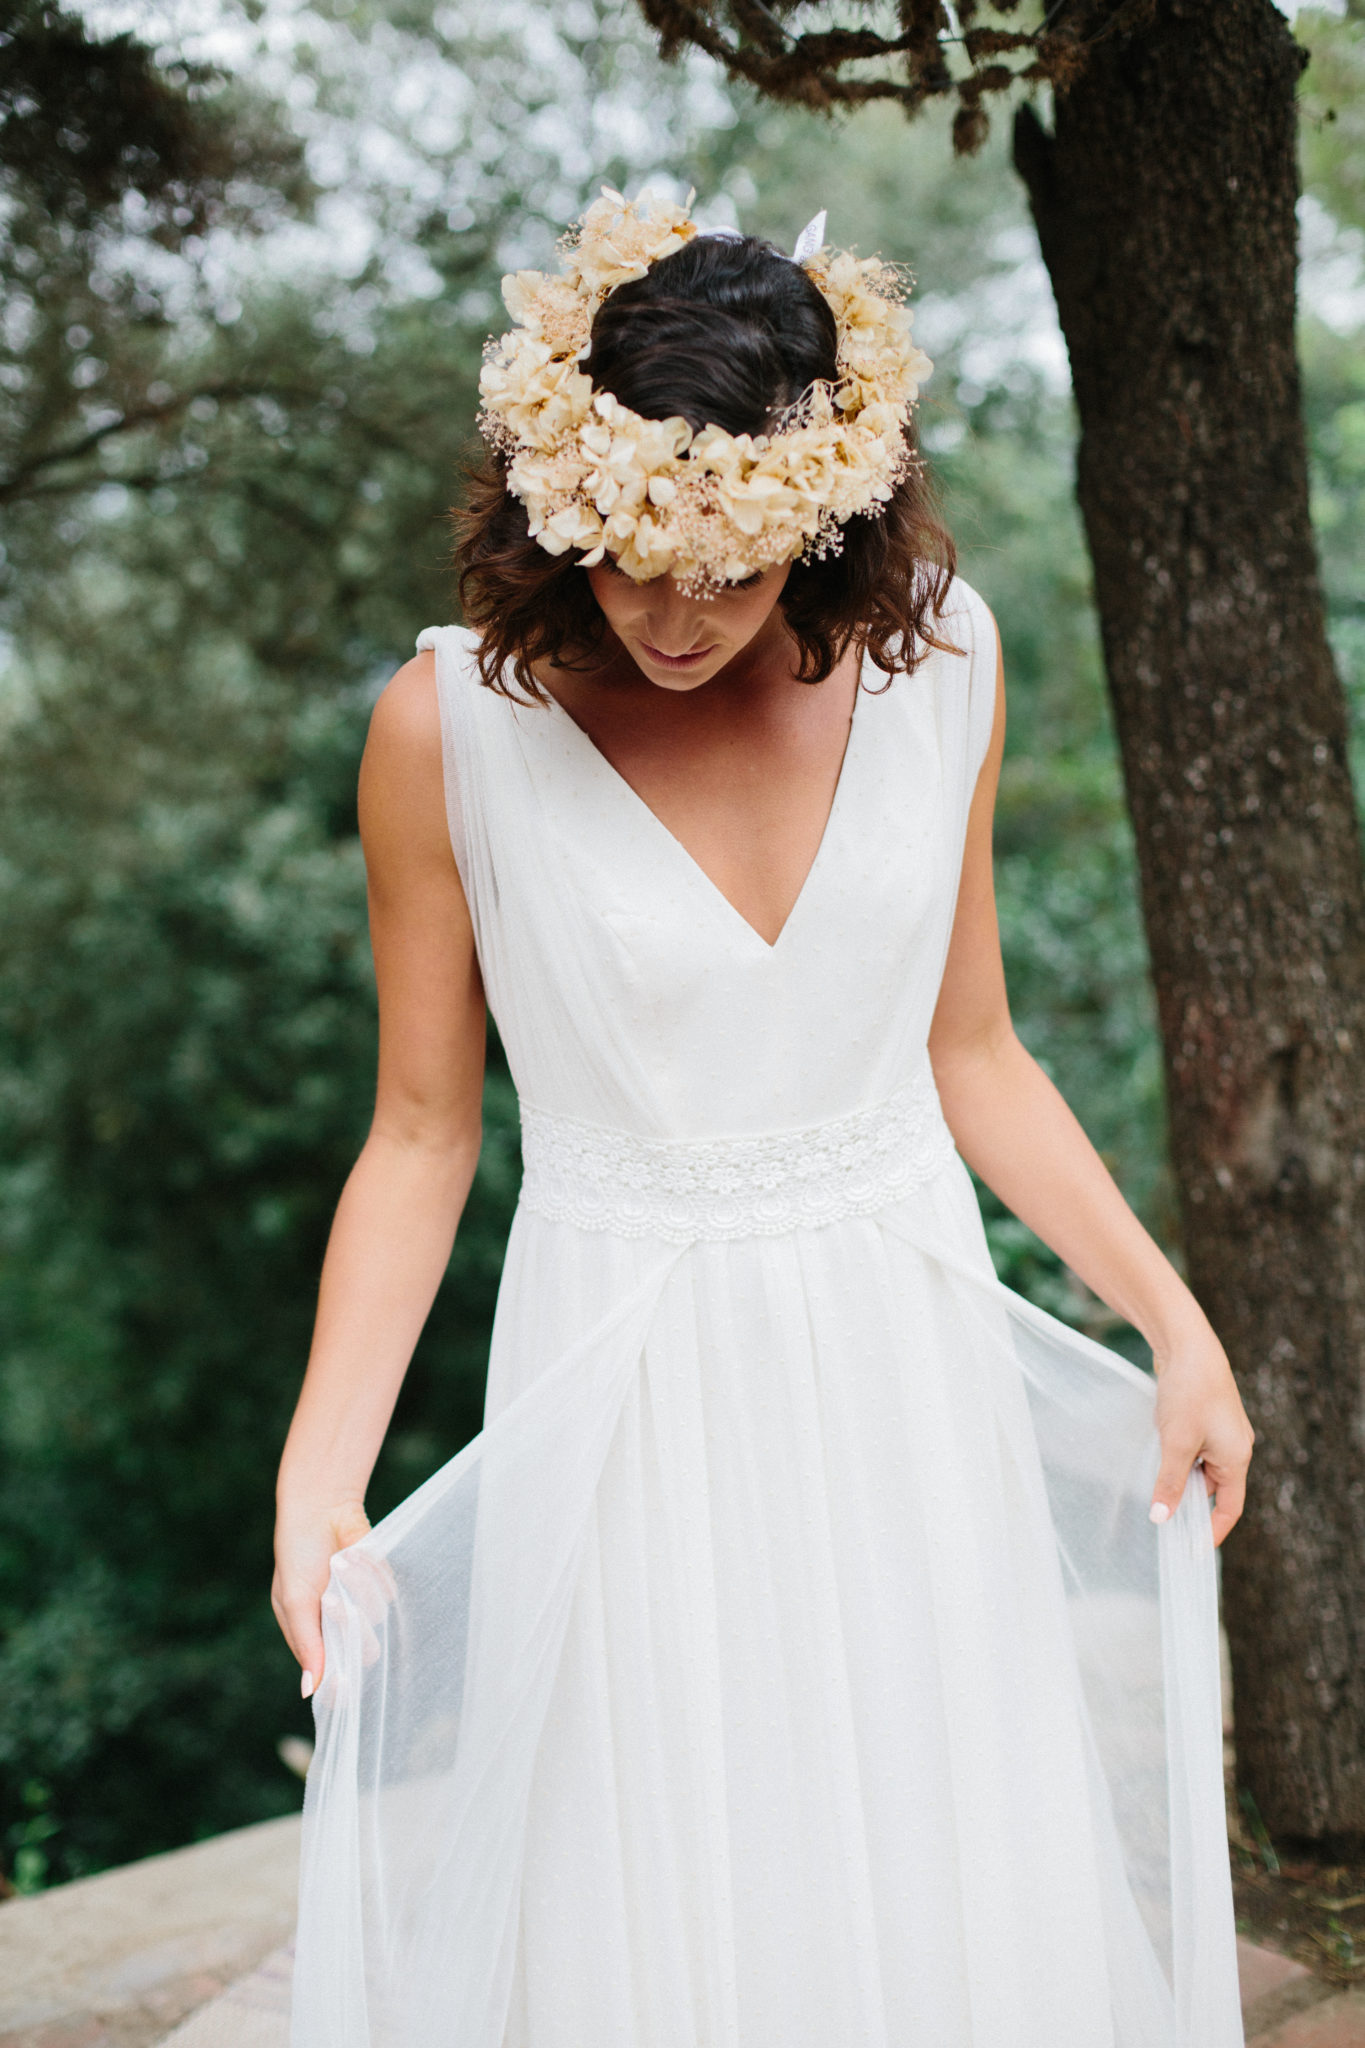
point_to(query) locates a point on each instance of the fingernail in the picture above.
(1159, 1512)
(306, 1685)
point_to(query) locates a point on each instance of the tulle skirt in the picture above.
(789, 1664)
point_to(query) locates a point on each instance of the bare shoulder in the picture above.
(406, 721)
(401, 780)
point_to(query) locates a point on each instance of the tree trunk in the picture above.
(1164, 201)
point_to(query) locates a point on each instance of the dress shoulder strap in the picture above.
(457, 686)
(490, 807)
(966, 621)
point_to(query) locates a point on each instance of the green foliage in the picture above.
(226, 494)
(1335, 411)
(188, 1021)
(87, 121)
(199, 597)
(1332, 135)
(1332, 109)
(226, 467)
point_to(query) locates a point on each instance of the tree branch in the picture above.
(811, 68)
(19, 482)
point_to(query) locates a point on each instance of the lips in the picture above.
(663, 660)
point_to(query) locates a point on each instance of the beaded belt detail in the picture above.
(713, 1188)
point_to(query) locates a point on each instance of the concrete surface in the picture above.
(252, 2014)
(115, 1961)
(191, 1950)
(1284, 2006)
(1337, 2022)
(1263, 1970)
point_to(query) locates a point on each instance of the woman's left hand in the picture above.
(1199, 1414)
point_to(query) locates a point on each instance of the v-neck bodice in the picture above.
(630, 992)
(686, 859)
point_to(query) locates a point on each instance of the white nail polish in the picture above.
(1159, 1512)
(306, 1685)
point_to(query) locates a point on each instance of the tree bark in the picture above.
(1165, 205)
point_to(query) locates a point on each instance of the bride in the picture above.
(792, 1661)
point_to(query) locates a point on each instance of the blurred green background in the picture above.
(249, 439)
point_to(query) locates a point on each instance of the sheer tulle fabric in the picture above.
(790, 1662)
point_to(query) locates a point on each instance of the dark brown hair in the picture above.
(727, 332)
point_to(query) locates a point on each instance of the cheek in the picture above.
(750, 610)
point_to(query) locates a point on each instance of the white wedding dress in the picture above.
(791, 1662)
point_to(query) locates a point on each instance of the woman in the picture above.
(791, 1662)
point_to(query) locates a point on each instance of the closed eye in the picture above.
(747, 583)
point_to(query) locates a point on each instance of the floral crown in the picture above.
(710, 507)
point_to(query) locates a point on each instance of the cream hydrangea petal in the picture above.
(712, 507)
(519, 289)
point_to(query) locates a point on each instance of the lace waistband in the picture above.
(684, 1190)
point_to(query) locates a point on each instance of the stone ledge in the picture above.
(1337, 2021)
(1283, 2006)
(251, 2014)
(191, 1950)
(118, 1960)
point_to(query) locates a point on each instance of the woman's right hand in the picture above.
(306, 1540)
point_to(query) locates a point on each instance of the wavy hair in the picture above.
(727, 332)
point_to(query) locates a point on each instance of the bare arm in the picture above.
(1011, 1125)
(396, 1220)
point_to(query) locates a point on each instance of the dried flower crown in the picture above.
(709, 507)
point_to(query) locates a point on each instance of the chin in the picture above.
(681, 686)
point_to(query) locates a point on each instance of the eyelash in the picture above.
(747, 584)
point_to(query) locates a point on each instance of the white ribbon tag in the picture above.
(811, 239)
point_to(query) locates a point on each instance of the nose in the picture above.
(674, 623)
